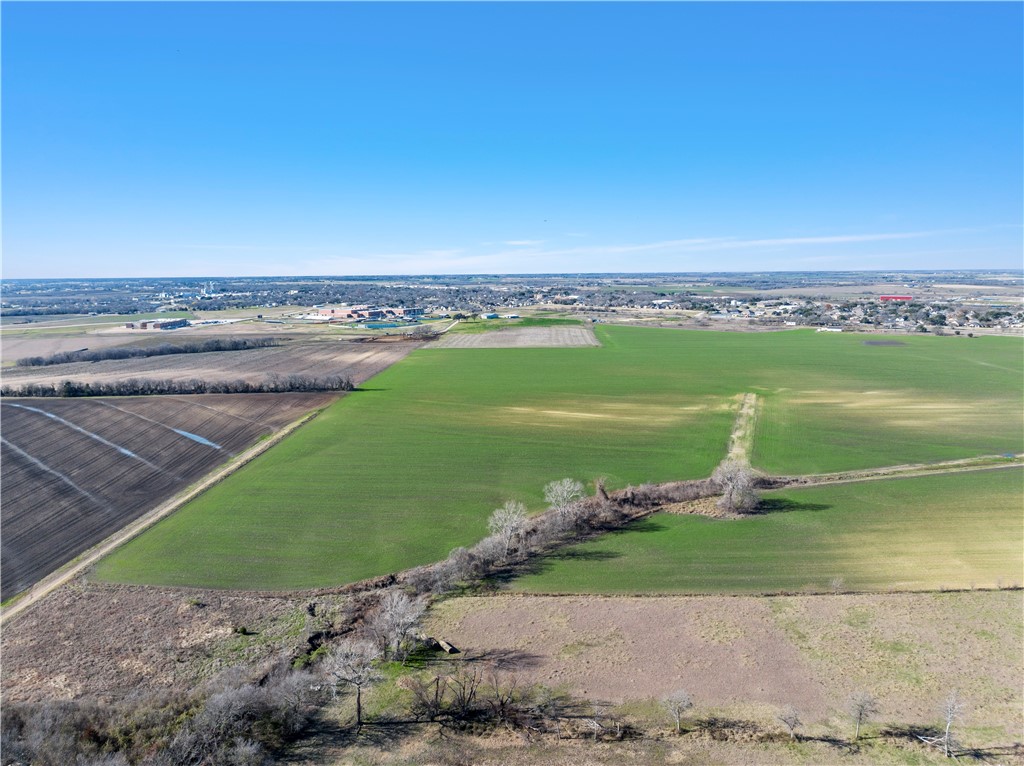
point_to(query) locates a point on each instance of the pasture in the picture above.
(410, 467)
(75, 471)
(749, 656)
(958, 531)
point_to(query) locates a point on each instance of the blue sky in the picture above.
(164, 139)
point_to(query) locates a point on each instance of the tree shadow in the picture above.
(640, 525)
(785, 505)
(326, 731)
(504, 660)
(581, 555)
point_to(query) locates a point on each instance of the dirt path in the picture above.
(742, 437)
(983, 463)
(75, 567)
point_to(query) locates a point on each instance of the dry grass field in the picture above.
(553, 336)
(315, 358)
(76, 470)
(750, 656)
(109, 641)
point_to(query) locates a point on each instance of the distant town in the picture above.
(927, 302)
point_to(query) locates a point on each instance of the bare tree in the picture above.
(738, 485)
(561, 494)
(677, 703)
(351, 662)
(952, 709)
(791, 718)
(394, 619)
(508, 523)
(862, 706)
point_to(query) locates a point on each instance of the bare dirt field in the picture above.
(315, 358)
(15, 346)
(109, 641)
(76, 470)
(521, 337)
(751, 656)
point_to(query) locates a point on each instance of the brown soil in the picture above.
(705, 506)
(70, 482)
(317, 358)
(108, 641)
(760, 654)
(521, 337)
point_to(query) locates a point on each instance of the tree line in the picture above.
(141, 352)
(246, 716)
(273, 384)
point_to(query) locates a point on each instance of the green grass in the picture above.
(410, 467)
(954, 531)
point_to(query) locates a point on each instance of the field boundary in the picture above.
(742, 437)
(86, 559)
(910, 470)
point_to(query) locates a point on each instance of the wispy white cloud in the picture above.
(526, 256)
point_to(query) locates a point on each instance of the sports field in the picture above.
(950, 531)
(399, 473)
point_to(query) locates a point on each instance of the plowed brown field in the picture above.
(74, 471)
(358, 361)
(558, 336)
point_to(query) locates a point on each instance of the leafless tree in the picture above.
(394, 619)
(561, 494)
(791, 718)
(738, 485)
(862, 706)
(677, 703)
(351, 662)
(508, 522)
(952, 709)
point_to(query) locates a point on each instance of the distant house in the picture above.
(489, 316)
(830, 329)
(895, 298)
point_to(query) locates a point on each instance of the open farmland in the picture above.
(960, 530)
(318, 358)
(748, 656)
(411, 467)
(76, 470)
(521, 337)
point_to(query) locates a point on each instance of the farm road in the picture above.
(742, 437)
(983, 463)
(71, 570)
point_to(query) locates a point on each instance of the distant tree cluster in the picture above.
(141, 352)
(274, 384)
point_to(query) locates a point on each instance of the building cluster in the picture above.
(157, 324)
(360, 313)
(888, 312)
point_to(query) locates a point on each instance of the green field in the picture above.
(411, 466)
(952, 531)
